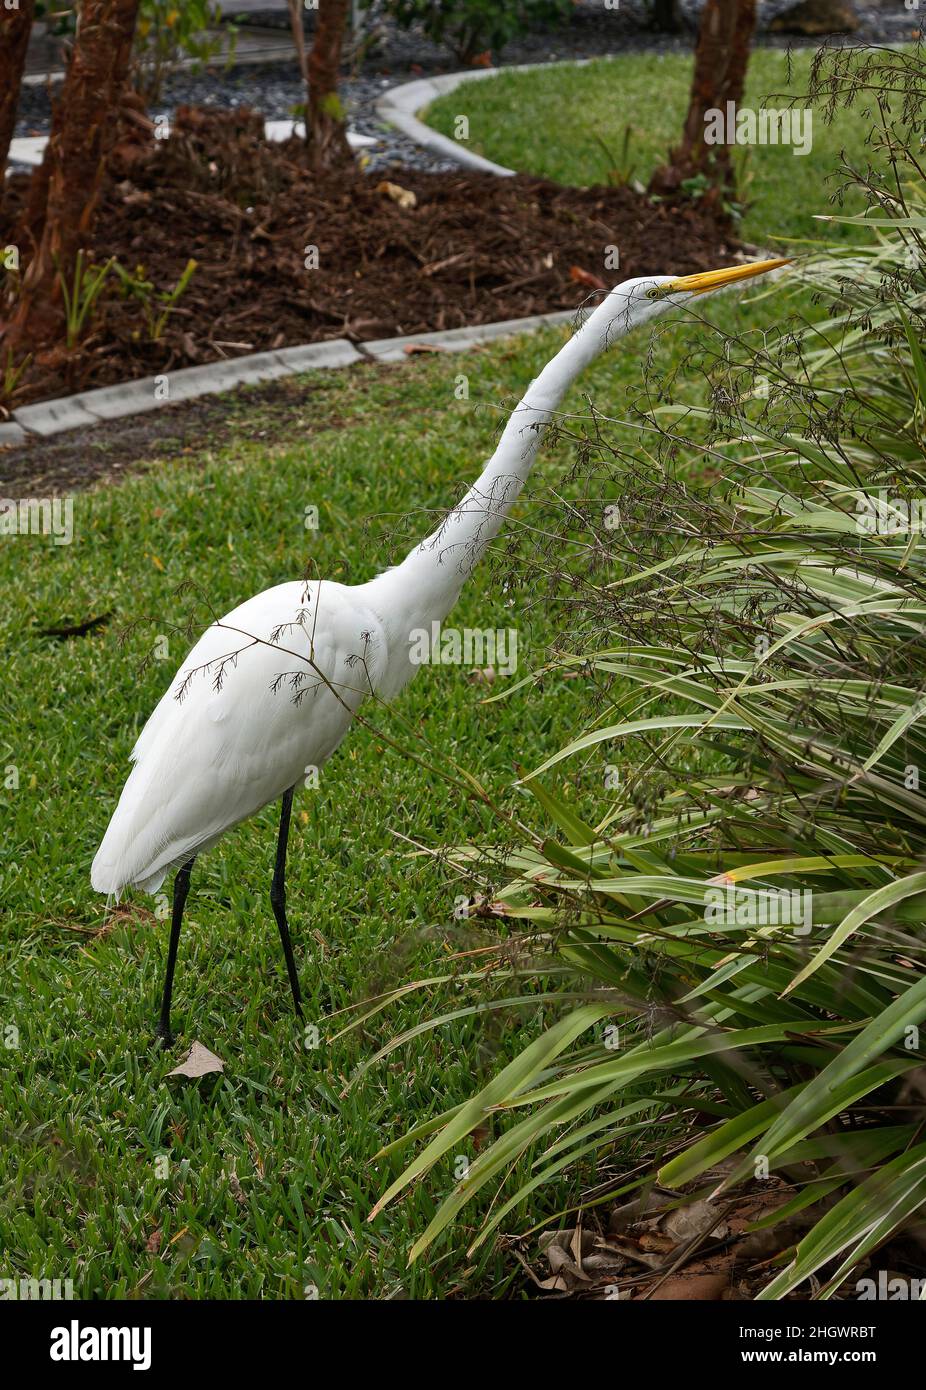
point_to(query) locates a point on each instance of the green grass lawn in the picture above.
(270, 1170)
(569, 124)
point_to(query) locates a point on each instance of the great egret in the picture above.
(215, 751)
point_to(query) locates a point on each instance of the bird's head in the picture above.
(646, 297)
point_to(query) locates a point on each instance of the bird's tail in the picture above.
(129, 853)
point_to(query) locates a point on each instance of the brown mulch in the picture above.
(661, 1247)
(474, 248)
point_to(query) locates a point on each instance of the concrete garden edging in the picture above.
(47, 418)
(28, 150)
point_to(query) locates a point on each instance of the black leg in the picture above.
(181, 888)
(278, 898)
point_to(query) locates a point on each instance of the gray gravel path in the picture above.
(275, 89)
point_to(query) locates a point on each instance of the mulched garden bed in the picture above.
(474, 248)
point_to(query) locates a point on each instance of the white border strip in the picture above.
(47, 418)
(28, 150)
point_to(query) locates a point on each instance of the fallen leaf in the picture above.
(555, 1285)
(411, 348)
(199, 1061)
(585, 277)
(628, 1251)
(153, 1243)
(701, 1288)
(685, 1223)
(482, 676)
(403, 196)
(567, 1252)
(654, 1240)
(615, 1263)
(569, 1243)
(623, 1217)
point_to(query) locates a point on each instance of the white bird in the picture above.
(269, 691)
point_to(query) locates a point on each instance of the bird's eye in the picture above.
(653, 293)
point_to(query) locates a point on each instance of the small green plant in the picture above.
(81, 295)
(168, 31)
(699, 186)
(471, 27)
(620, 171)
(157, 305)
(12, 375)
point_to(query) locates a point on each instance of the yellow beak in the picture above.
(714, 279)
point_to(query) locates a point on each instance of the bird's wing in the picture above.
(267, 694)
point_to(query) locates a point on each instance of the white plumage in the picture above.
(269, 691)
(212, 757)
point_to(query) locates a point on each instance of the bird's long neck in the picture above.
(430, 578)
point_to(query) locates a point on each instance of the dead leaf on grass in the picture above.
(199, 1061)
(481, 675)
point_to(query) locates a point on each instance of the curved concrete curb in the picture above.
(47, 418)
(398, 107)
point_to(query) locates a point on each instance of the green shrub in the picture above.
(470, 27)
(747, 646)
(169, 31)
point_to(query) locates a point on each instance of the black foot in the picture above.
(164, 1036)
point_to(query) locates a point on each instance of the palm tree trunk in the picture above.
(326, 128)
(721, 60)
(15, 28)
(65, 189)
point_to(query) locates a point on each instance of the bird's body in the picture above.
(208, 760)
(269, 691)
(263, 698)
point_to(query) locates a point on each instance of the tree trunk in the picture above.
(326, 129)
(15, 28)
(295, 24)
(65, 189)
(721, 59)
